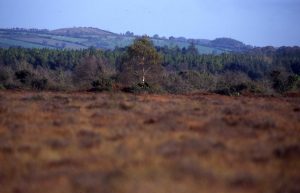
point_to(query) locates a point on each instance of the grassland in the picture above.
(114, 142)
(64, 38)
(84, 39)
(12, 42)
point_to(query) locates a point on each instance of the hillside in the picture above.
(84, 37)
(228, 43)
(77, 31)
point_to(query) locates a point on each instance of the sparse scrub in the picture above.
(198, 80)
(39, 84)
(102, 84)
(283, 83)
(24, 76)
(232, 90)
(142, 88)
(161, 70)
(4, 76)
(174, 84)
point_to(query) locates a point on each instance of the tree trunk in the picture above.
(143, 63)
(143, 80)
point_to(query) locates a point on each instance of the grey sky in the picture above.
(255, 22)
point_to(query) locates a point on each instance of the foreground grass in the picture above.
(86, 142)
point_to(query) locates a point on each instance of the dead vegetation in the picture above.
(116, 142)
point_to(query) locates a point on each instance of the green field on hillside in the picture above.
(64, 38)
(11, 42)
(80, 40)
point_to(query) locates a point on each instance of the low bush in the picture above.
(283, 83)
(198, 80)
(2, 87)
(11, 86)
(24, 76)
(173, 83)
(102, 84)
(39, 84)
(4, 76)
(233, 90)
(143, 88)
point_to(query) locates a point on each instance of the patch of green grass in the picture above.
(64, 38)
(208, 50)
(10, 42)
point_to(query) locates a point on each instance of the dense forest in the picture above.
(142, 67)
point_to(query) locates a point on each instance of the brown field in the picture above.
(119, 143)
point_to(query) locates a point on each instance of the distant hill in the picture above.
(84, 37)
(229, 43)
(78, 31)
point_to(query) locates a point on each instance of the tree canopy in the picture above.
(141, 63)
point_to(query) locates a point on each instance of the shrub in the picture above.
(24, 76)
(296, 68)
(102, 84)
(4, 76)
(2, 87)
(142, 88)
(173, 83)
(39, 84)
(298, 84)
(86, 71)
(11, 86)
(281, 83)
(233, 90)
(139, 88)
(292, 81)
(198, 80)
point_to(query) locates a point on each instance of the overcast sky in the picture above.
(255, 22)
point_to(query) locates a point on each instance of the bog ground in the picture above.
(118, 143)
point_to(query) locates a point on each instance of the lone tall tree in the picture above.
(142, 63)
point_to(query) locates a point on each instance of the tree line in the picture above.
(142, 67)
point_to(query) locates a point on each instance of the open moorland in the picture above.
(124, 143)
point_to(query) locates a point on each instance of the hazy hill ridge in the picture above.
(84, 37)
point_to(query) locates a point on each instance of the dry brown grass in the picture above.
(119, 143)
